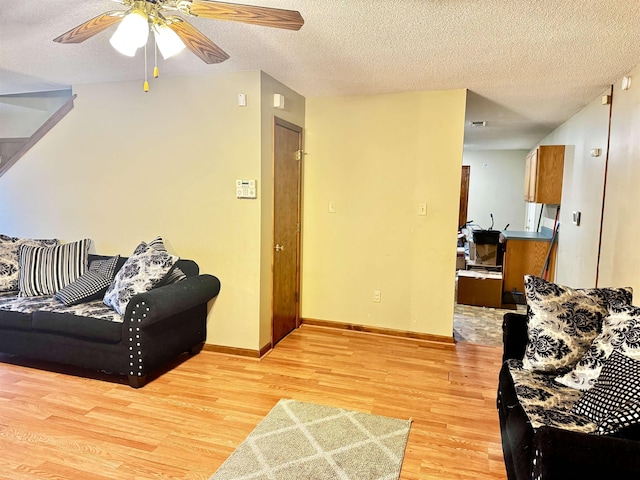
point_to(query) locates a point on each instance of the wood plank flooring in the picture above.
(186, 422)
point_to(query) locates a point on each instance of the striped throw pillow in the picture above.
(46, 270)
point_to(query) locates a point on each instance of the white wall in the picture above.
(22, 114)
(619, 263)
(620, 257)
(582, 190)
(376, 158)
(496, 185)
(124, 166)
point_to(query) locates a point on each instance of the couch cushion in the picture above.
(90, 286)
(15, 320)
(76, 326)
(46, 270)
(9, 267)
(563, 321)
(95, 309)
(621, 332)
(545, 402)
(143, 271)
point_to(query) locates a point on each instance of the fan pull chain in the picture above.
(156, 72)
(146, 81)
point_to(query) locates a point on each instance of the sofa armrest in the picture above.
(561, 454)
(514, 336)
(163, 302)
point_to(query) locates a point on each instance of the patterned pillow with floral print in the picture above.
(141, 272)
(620, 332)
(563, 322)
(9, 266)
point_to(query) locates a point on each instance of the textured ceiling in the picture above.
(529, 65)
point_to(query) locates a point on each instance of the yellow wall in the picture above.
(125, 166)
(620, 258)
(378, 157)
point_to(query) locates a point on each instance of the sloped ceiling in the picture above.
(529, 65)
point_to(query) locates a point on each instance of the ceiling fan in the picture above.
(172, 33)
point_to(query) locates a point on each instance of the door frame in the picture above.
(463, 209)
(277, 121)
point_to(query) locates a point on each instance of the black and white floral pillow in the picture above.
(620, 332)
(141, 272)
(563, 322)
(9, 266)
(176, 274)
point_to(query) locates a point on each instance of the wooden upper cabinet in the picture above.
(543, 174)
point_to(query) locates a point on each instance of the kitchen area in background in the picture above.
(509, 223)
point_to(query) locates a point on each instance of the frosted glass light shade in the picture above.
(169, 43)
(131, 34)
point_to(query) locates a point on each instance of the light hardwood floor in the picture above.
(186, 422)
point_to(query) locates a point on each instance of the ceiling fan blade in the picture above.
(195, 41)
(90, 28)
(265, 16)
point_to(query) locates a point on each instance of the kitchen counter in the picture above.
(545, 235)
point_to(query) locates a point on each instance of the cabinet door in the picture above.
(550, 165)
(531, 177)
(525, 257)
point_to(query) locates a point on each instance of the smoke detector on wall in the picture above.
(626, 83)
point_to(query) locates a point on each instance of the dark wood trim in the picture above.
(266, 349)
(242, 352)
(464, 195)
(604, 187)
(285, 124)
(38, 134)
(428, 337)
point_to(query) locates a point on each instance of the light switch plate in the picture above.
(575, 217)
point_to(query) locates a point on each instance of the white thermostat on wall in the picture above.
(246, 189)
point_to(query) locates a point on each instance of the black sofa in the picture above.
(156, 328)
(551, 453)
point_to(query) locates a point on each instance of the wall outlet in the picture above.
(422, 209)
(376, 296)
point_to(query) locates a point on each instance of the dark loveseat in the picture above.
(550, 453)
(156, 327)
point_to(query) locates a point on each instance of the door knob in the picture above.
(278, 248)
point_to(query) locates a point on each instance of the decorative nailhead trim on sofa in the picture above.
(135, 352)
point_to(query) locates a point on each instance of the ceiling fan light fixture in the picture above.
(131, 34)
(168, 41)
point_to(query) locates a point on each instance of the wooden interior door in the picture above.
(464, 195)
(287, 185)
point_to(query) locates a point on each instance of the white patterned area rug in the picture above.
(299, 440)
